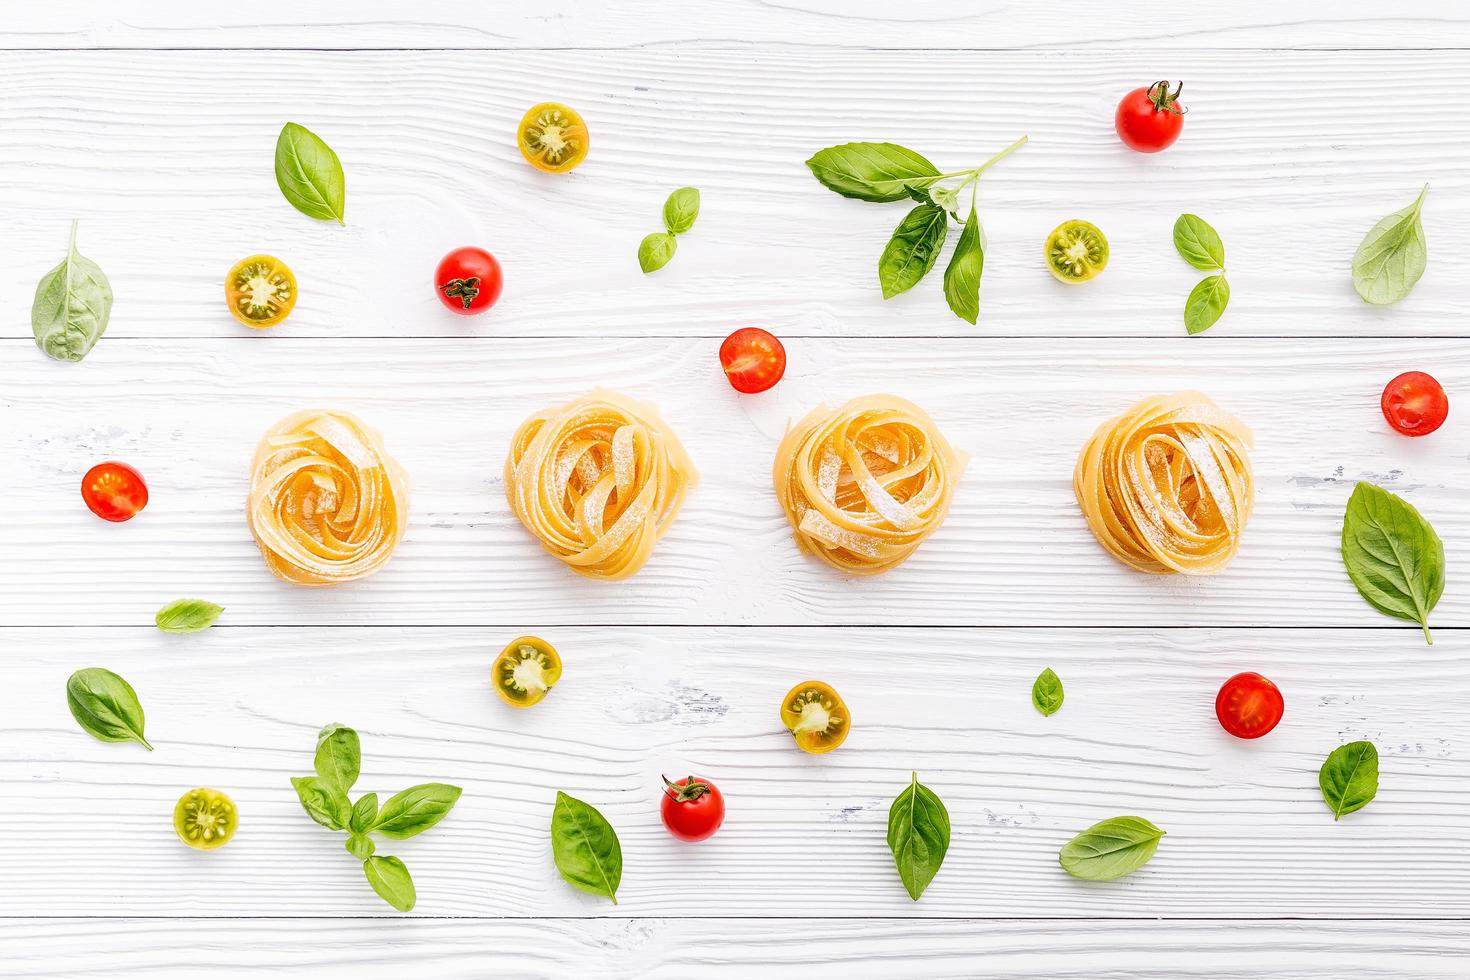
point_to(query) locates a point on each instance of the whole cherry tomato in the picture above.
(114, 491)
(1415, 404)
(692, 808)
(753, 359)
(468, 280)
(1150, 119)
(1249, 705)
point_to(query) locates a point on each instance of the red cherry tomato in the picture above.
(753, 359)
(114, 491)
(468, 280)
(1415, 404)
(1150, 119)
(1249, 705)
(692, 808)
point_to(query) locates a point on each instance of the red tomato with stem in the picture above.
(753, 359)
(1415, 404)
(114, 491)
(692, 808)
(1249, 705)
(468, 280)
(1150, 119)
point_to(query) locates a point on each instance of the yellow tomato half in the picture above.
(526, 671)
(260, 291)
(553, 137)
(816, 717)
(205, 819)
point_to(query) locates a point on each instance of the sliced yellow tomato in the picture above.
(1076, 251)
(205, 819)
(553, 137)
(260, 291)
(816, 717)
(526, 671)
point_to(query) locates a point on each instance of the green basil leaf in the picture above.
(187, 616)
(1392, 555)
(1392, 255)
(106, 706)
(309, 174)
(415, 810)
(1046, 693)
(390, 879)
(364, 812)
(338, 756)
(1206, 302)
(680, 210)
(1199, 244)
(918, 836)
(872, 171)
(655, 251)
(1349, 778)
(72, 304)
(1111, 849)
(360, 846)
(585, 848)
(912, 249)
(323, 801)
(962, 275)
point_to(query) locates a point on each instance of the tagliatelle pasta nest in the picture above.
(865, 483)
(1167, 487)
(327, 503)
(598, 481)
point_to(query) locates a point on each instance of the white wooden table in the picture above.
(154, 124)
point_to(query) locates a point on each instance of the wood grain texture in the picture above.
(1249, 835)
(166, 159)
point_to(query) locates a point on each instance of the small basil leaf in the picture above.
(655, 251)
(73, 302)
(1207, 300)
(872, 171)
(585, 848)
(1110, 849)
(1199, 244)
(360, 846)
(323, 801)
(912, 249)
(918, 836)
(962, 275)
(364, 811)
(187, 616)
(309, 174)
(1392, 255)
(390, 879)
(919, 194)
(1046, 693)
(1349, 778)
(106, 706)
(338, 756)
(681, 209)
(1392, 555)
(415, 810)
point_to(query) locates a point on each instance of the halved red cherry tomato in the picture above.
(468, 280)
(114, 491)
(753, 359)
(1415, 404)
(815, 716)
(1150, 119)
(1249, 705)
(692, 808)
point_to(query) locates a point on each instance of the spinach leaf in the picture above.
(962, 275)
(911, 251)
(323, 800)
(681, 209)
(1206, 302)
(309, 174)
(364, 812)
(106, 706)
(338, 756)
(1198, 243)
(655, 251)
(1392, 555)
(585, 848)
(1046, 693)
(187, 616)
(390, 879)
(1349, 778)
(918, 836)
(1392, 255)
(72, 304)
(1111, 849)
(415, 810)
(872, 171)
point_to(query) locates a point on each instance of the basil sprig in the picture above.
(680, 210)
(72, 305)
(1392, 256)
(338, 763)
(106, 706)
(1392, 555)
(585, 848)
(309, 174)
(918, 836)
(187, 616)
(1199, 245)
(1046, 692)
(1349, 778)
(1111, 849)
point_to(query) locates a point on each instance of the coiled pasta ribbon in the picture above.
(1166, 487)
(864, 484)
(327, 503)
(598, 481)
